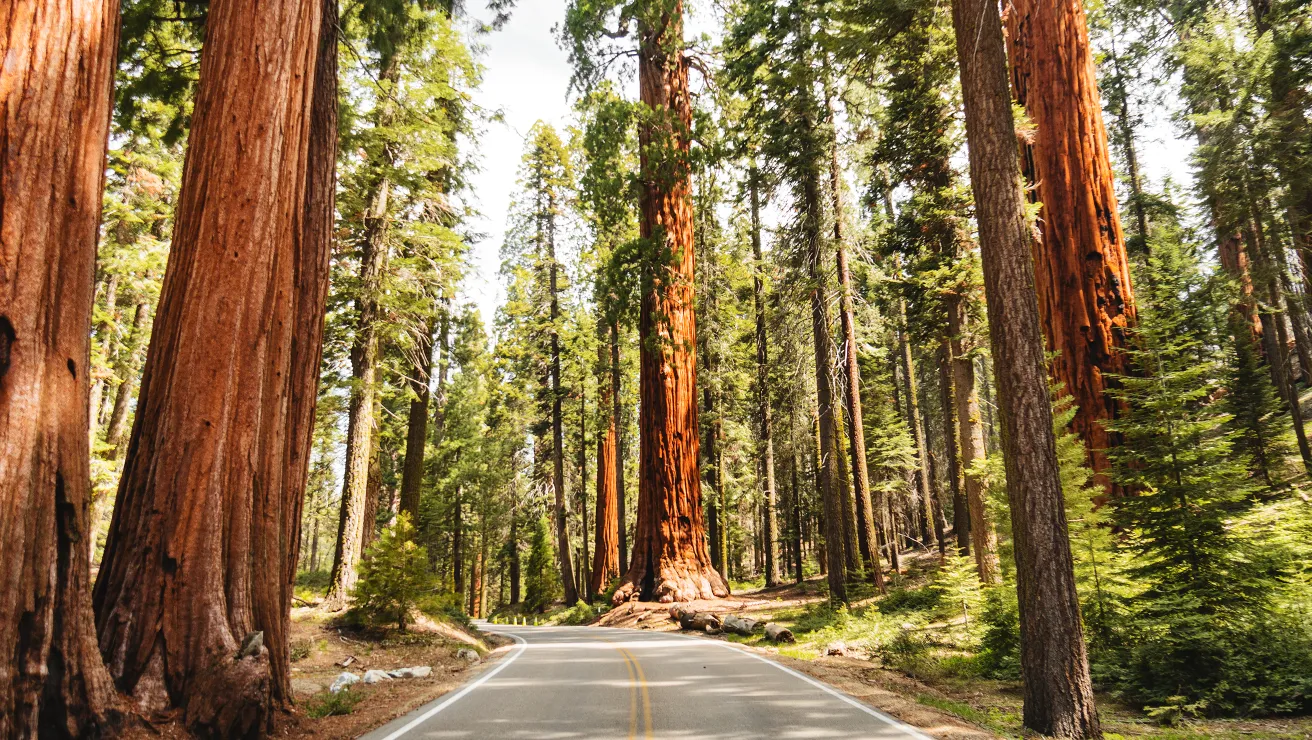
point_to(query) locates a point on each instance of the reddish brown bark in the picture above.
(606, 556)
(203, 543)
(670, 560)
(1082, 273)
(1058, 692)
(58, 60)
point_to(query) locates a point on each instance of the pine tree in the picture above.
(542, 580)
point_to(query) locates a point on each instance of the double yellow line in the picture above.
(637, 680)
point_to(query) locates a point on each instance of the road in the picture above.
(605, 684)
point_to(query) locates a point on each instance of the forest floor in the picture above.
(322, 648)
(901, 660)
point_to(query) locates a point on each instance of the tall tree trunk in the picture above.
(856, 435)
(585, 577)
(852, 556)
(558, 425)
(670, 561)
(202, 550)
(617, 419)
(606, 556)
(55, 86)
(947, 396)
(416, 433)
(766, 427)
(1082, 272)
(983, 540)
(827, 473)
(354, 527)
(798, 552)
(923, 480)
(118, 418)
(1058, 692)
(514, 557)
(457, 544)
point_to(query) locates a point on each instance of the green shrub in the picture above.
(445, 606)
(332, 705)
(541, 579)
(999, 654)
(580, 613)
(393, 576)
(910, 600)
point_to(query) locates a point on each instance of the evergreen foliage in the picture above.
(393, 577)
(542, 580)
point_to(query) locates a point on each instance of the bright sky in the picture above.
(527, 78)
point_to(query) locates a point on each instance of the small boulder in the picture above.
(251, 645)
(343, 680)
(419, 671)
(376, 676)
(471, 656)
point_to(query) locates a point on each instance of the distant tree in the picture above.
(542, 579)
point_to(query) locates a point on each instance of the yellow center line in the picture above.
(633, 695)
(646, 697)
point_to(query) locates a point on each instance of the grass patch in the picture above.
(1006, 723)
(332, 705)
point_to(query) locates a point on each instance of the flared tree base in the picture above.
(669, 582)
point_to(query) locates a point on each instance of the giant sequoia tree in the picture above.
(1082, 272)
(55, 94)
(670, 561)
(202, 548)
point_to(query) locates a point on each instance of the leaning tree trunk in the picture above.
(970, 432)
(55, 85)
(1054, 666)
(1082, 272)
(670, 561)
(416, 433)
(606, 557)
(771, 520)
(202, 549)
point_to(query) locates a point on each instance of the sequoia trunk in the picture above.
(606, 557)
(55, 86)
(670, 561)
(1082, 273)
(202, 548)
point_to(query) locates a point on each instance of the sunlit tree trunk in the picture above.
(606, 555)
(201, 554)
(1058, 692)
(55, 86)
(617, 419)
(670, 561)
(1082, 272)
(970, 432)
(947, 399)
(416, 437)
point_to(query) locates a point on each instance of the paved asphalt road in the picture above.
(597, 683)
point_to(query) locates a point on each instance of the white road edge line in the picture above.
(523, 645)
(908, 729)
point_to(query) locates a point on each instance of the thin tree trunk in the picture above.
(558, 426)
(1058, 693)
(203, 546)
(118, 418)
(766, 438)
(947, 396)
(852, 557)
(55, 90)
(617, 418)
(670, 561)
(983, 540)
(1081, 267)
(416, 433)
(856, 435)
(923, 480)
(457, 544)
(514, 557)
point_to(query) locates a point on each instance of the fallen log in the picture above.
(778, 633)
(745, 626)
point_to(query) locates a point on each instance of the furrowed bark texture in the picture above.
(416, 437)
(606, 555)
(1058, 692)
(55, 87)
(203, 543)
(1082, 273)
(670, 560)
